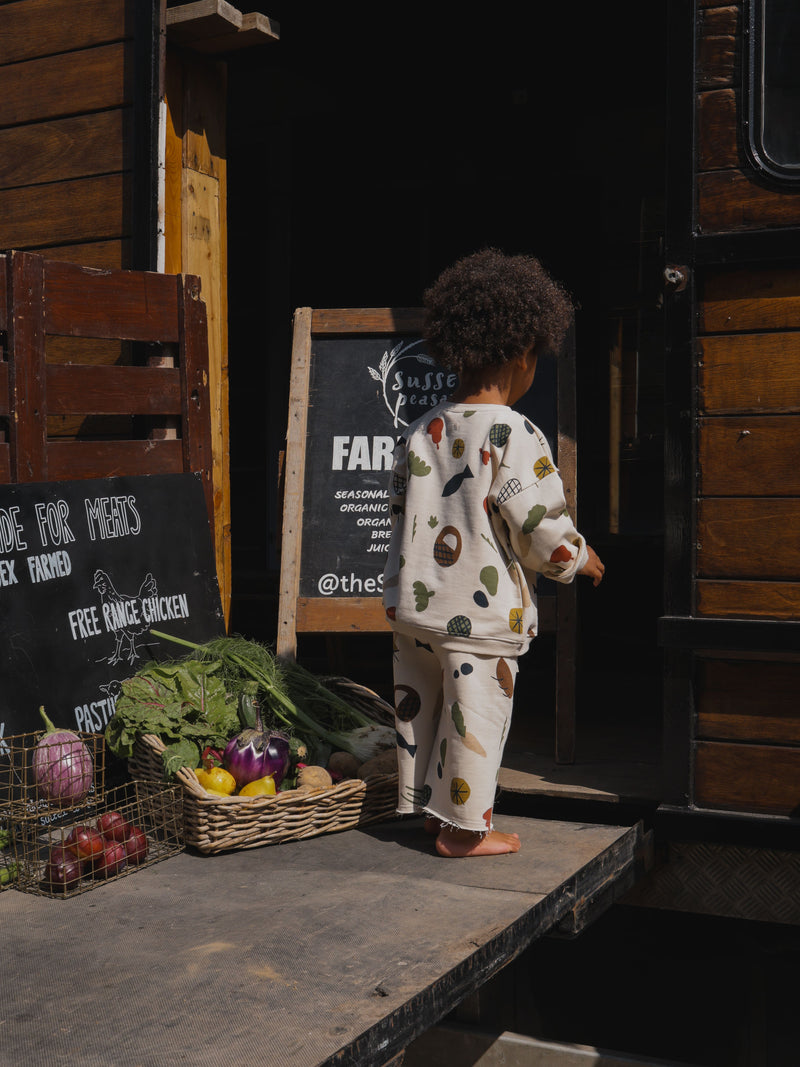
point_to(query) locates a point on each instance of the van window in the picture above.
(774, 87)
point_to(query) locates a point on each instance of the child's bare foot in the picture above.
(432, 824)
(457, 843)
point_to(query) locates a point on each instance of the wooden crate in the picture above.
(154, 395)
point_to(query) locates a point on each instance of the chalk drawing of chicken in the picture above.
(123, 614)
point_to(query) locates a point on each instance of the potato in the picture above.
(384, 763)
(343, 765)
(313, 778)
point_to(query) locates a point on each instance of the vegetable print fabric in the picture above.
(478, 510)
(453, 710)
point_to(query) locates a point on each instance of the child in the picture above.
(478, 510)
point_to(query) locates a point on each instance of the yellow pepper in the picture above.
(261, 787)
(216, 780)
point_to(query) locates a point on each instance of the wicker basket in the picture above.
(216, 824)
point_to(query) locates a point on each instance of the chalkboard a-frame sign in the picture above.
(358, 377)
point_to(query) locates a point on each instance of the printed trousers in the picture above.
(453, 711)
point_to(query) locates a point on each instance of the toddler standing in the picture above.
(478, 510)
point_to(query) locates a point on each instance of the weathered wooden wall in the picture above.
(748, 351)
(747, 739)
(201, 40)
(66, 129)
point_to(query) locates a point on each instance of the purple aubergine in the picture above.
(63, 768)
(255, 753)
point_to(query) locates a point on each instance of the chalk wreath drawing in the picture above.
(404, 390)
(123, 614)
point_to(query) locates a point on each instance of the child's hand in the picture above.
(594, 568)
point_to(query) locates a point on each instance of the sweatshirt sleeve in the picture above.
(528, 495)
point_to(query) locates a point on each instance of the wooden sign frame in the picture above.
(333, 614)
(299, 612)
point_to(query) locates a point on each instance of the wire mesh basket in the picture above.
(137, 824)
(8, 864)
(29, 784)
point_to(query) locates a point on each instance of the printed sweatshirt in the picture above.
(478, 510)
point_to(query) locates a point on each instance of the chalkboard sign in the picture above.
(359, 376)
(87, 569)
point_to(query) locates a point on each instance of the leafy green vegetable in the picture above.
(292, 699)
(186, 704)
(195, 703)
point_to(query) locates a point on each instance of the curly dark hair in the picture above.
(490, 307)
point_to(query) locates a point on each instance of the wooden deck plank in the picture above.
(612, 781)
(342, 949)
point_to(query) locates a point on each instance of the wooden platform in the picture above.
(634, 781)
(337, 950)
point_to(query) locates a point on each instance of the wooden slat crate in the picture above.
(160, 393)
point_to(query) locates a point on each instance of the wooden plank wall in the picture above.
(66, 141)
(748, 506)
(72, 112)
(747, 741)
(66, 137)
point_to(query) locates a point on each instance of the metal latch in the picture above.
(676, 276)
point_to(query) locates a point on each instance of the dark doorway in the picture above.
(367, 150)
